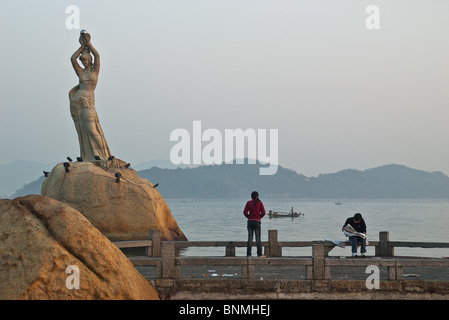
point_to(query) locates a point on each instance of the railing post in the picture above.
(396, 272)
(384, 249)
(230, 251)
(155, 237)
(248, 269)
(319, 270)
(168, 260)
(274, 250)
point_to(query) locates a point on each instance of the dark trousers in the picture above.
(354, 240)
(254, 228)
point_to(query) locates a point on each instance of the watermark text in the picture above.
(249, 143)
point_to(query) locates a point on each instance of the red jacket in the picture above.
(253, 211)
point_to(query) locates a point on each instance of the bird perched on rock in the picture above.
(66, 166)
(155, 186)
(79, 159)
(97, 158)
(127, 165)
(111, 158)
(117, 176)
(70, 159)
(46, 174)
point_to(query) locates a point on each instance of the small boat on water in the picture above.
(280, 214)
(337, 203)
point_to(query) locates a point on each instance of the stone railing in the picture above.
(162, 256)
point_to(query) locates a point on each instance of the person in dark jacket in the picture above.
(359, 225)
(254, 211)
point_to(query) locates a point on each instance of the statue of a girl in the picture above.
(82, 102)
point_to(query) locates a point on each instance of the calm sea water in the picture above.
(406, 220)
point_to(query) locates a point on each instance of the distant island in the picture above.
(391, 181)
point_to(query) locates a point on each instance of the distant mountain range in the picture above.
(238, 180)
(234, 181)
(18, 173)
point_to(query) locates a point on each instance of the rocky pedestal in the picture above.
(119, 203)
(47, 248)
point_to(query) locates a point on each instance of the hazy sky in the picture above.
(341, 95)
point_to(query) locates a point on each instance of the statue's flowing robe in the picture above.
(90, 135)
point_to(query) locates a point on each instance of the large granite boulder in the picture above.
(44, 241)
(124, 208)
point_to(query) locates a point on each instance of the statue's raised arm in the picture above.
(75, 56)
(85, 40)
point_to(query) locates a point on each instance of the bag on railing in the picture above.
(341, 244)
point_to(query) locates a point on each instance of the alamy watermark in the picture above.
(373, 280)
(248, 143)
(73, 20)
(372, 22)
(73, 280)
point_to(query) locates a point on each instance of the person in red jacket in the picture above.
(254, 212)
